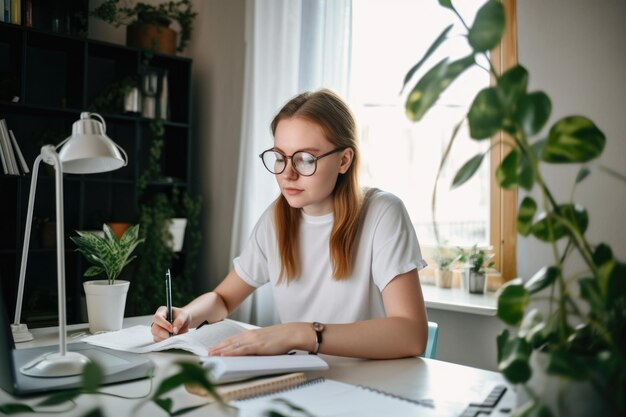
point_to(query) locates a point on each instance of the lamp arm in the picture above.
(25, 246)
(51, 157)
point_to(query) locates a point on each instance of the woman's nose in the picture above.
(289, 171)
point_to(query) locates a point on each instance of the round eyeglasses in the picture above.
(302, 162)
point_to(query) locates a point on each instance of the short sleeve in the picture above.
(252, 265)
(395, 248)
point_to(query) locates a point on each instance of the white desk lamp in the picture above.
(88, 150)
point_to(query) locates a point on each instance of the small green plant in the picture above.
(121, 15)
(444, 257)
(476, 258)
(107, 253)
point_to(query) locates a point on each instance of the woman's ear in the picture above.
(346, 160)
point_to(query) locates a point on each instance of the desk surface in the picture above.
(414, 378)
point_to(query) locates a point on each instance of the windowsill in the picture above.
(457, 299)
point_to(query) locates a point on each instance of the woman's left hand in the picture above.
(273, 340)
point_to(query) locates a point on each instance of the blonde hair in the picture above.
(326, 109)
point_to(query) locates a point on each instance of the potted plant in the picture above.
(106, 299)
(444, 258)
(577, 340)
(148, 25)
(475, 266)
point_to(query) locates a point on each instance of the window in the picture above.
(400, 156)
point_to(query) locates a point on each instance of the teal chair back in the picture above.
(431, 344)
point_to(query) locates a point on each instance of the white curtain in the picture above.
(292, 46)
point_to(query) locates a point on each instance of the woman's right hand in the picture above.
(161, 328)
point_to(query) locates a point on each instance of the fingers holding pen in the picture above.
(161, 328)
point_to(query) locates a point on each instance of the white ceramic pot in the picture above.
(177, 230)
(105, 304)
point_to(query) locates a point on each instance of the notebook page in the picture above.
(138, 339)
(325, 397)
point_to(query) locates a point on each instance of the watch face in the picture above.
(318, 327)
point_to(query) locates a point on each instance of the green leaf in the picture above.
(468, 170)
(59, 398)
(506, 173)
(532, 409)
(512, 85)
(543, 278)
(564, 363)
(574, 139)
(573, 213)
(532, 327)
(93, 270)
(582, 174)
(447, 4)
(92, 376)
(165, 404)
(525, 215)
(440, 39)
(15, 408)
(533, 111)
(428, 89)
(512, 301)
(486, 114)
(590, 291)
(514, 363)
(488, 27)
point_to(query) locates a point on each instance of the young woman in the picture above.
(342, 262)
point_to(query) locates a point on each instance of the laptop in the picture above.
(117, 366)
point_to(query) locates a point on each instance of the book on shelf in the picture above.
(7, 150)
(18, 153)
(16, 12)
(138, 339)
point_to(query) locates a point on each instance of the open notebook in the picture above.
(138, 339)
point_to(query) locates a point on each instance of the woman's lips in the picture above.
(292, 191)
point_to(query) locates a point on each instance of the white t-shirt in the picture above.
(387, 247)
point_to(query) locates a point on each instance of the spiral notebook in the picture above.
(251, 388)
(326, 397)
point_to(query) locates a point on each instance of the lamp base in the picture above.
(55, 365)
(21, 333)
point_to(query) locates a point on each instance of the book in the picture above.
(138, 339)
(225, 369)
(18, 153)
(16, 12)
(326, 397)
(2, 10)
(7, 149)
(251, 388)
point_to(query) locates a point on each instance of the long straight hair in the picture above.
(332, 114)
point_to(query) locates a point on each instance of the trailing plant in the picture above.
(111, 100)
(107, 253)
(121, 15)
(153, 168)
(582, 333)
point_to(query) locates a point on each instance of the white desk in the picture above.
(414, 378)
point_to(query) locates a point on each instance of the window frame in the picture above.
(503, 205)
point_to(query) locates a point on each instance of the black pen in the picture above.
(168, 297)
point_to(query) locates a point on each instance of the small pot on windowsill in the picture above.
(474, 281)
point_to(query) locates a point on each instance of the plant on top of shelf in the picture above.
(107, 253)
(579, 336)
(111, 11)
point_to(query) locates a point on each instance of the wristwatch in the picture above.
(319, 329)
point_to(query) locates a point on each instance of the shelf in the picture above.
(55, 77)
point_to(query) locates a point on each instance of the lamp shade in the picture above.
(89, 150)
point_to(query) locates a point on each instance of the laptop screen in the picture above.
(7, 370)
